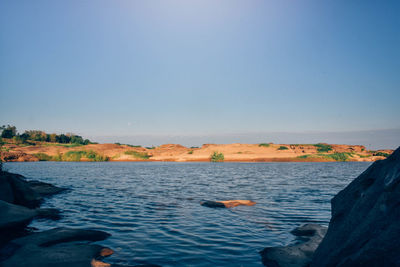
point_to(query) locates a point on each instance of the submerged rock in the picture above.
(365, 226)
(300, 254)
(227, 203)
(58, 247)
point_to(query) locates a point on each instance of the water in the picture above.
(152, 209)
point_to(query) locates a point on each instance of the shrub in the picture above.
(139, 155)
(43, 156)
(264, 144)
(150, 147)
(344, 156)
(78, 155)
(217, 157)
(382, 154)
(190, 152)
(133, 145)
(283, 148)
(323, 148)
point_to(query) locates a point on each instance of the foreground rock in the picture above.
(57, 247)
(310, 235)
(15, 216)
(227, 203)
(16, 190)
(365, 226)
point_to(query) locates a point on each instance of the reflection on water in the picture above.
(152, 209)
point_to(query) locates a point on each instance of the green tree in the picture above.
(8, 131)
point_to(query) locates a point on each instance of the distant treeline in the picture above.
(35, 135)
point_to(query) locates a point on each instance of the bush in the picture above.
(323, 148)
(344, 156)
(78, 155)
(43, 156)
(283, 148)
(382, 154)
(217, 157)
(190, 152)
(139, 155)
(264, 144)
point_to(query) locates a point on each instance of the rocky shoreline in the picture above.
(364, 229)
(20, 202)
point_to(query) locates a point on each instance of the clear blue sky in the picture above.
(206, 67)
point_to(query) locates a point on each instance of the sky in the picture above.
(202, 70)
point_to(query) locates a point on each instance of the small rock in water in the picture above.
(227, 203)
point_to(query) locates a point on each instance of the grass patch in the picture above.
(264, 144)
(382, 154)
(78, 155)
(217, 157)
(323, 148)
(43, 157)
(344, 156)
(283, 148)
(364, 156)
(138, 155)
(190, 152)
(133, 145)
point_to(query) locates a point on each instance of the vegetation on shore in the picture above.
(30, 136)
(283, 148)
(217, 157)
(138, 155)
(72, 156)
(264, 144)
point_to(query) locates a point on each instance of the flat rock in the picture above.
(365, 226)
(227, 203)
(296, 255)
(60, 247)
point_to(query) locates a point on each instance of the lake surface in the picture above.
(153, 209)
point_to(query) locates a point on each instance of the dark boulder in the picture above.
(16, 190)
(58, 247)
(212, 204)
(365, 226)
(309, 236)
(45, 189)
(15, 216)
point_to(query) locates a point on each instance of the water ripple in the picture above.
(152, 209)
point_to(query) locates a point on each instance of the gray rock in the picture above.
(296, 255)
(16, 190)
(365, 226)
(45, 189)
(60, 247)
(15, 216)
(212, 204)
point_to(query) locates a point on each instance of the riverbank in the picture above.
(266, 152)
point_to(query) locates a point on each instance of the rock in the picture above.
(60, 247)
(15, 216)
(16, 190)
(45, 189)
(212, 204)
(365, 226)
(16, 156)
(297, 255)
(227, 203)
